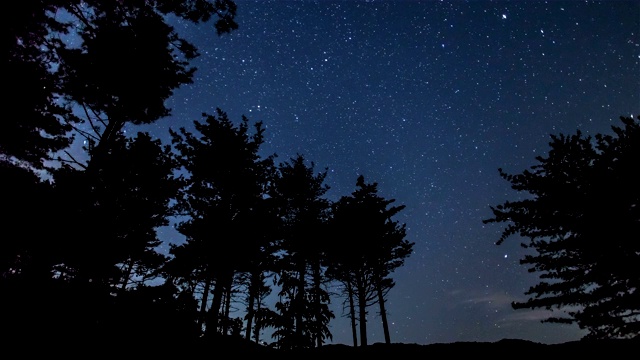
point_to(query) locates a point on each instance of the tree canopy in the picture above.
(368, 246)
(82, 257)
(104, 63)
(582, 219)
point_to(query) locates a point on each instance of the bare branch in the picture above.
(93, 125)
(75, 10)
(72, 161)
(85, 134)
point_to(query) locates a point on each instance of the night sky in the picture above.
(428, 99)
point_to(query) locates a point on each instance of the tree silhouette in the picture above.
(34, 126)
(106, 63)
(222, 197)
(582, 219)
(28, 252)
(64, 264)
(147, 167)
(260, 257)
(115, 218)
(370, 246)
(151, 314)
(303, 306)
(129, 61)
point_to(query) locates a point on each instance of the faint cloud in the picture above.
(499, 304)
(537, 314)
(493, 300)
(527, 315)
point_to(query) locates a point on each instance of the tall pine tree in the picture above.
(303, 309)
(222, 200)
(368, 246)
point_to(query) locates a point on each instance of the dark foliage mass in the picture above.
(80, 260)
(80, 263)
(105, 63)
(582, 218)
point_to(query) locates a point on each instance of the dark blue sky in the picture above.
(429, 99)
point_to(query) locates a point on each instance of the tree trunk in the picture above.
(214, 312)
(299, 304)
(383, 313)
(113, 127)
(203, 305)
(253, 292)
(256, 330)
(362, 307)
(125, 279)
(352, 314)
(317, 283)
(227, 309)
(223, 288)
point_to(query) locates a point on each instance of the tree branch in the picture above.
(94, 127)
(72, 161)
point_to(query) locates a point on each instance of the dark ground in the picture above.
(230, 347)
(618, 349)
(507, 348)
(503, 348)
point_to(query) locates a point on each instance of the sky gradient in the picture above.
(428, 99)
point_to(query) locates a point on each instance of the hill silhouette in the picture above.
(502, 348)
(237, 346)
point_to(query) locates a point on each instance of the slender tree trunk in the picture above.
(203, 304)
(299, 304)
(253, 292)
(113, 127)
(317, 284)
(214, 312)
(362, 307)
(125, 279)
(223, 285)
(352, 313)
(383, 313)
(256, 330)
(227, 310)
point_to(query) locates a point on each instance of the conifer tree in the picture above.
(303, 307)
(581, 217)
(221, 199)
(369, 245)
(114, 236)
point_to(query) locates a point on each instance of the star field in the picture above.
(429, 99)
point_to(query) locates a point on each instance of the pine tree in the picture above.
(369, 245)
(582, 219)
(106, 64)
(114, 237)
(222, 197)
(303, 307)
